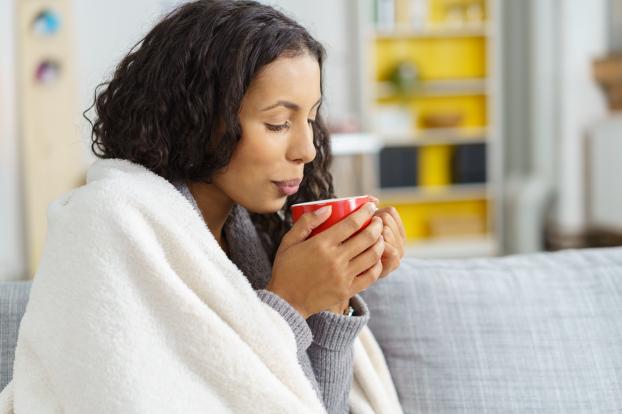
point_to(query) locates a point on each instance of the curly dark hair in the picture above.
(173, 102)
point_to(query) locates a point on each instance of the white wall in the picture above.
(583, 37)
(615, 31)
(12, 261)
(330, 22)
(106, 31)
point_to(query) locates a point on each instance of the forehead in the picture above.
(296, 78)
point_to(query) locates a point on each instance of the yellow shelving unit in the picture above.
(449, 49)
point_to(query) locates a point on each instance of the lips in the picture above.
(288, 187)
(292, 182)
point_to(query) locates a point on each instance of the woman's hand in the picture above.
(325, 271)
(394, 237)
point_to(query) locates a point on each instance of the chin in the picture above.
(266, 207)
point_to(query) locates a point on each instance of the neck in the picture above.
(215, 208)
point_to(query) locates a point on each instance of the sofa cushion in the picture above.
(13, 300)
(536, 333)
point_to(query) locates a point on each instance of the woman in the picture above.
(221, 99)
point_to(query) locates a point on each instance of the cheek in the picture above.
(255, 162)
(254, 158)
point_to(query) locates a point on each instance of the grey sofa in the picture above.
(538, 333)
(13, 300)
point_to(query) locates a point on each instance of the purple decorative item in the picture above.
(47, 72)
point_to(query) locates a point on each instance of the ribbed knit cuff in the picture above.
(338, 332)
(296, 322)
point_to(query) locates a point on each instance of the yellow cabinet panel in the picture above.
(434, 166)
(472, 107)
(436, 58)
(443, 219)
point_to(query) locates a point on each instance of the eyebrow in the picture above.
(290, 105)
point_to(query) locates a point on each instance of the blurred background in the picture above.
(493, 126)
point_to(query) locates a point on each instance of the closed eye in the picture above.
(277, 128)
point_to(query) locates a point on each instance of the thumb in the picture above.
(305, 225)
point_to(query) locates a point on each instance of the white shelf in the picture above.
(478, 29)
(454, 248)
(354, 144)
(433, 194)
(436, 136)
(449, 87)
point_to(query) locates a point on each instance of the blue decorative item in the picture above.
(47, 23)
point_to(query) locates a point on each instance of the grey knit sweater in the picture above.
(324, 340)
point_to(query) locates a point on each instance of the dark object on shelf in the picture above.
(554, 239)
(599, 237)
(398, 167)
(469, 164)
(441, 120)
(608, 73)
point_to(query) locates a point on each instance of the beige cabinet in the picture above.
(52, 152)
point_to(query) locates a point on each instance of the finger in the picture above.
(303, 227)
(362, 241)
(391, 240)
(388, 220)
(366, 279)
(396, 216)
(390, 260)
(367, 259)
(374, 200)
(392, 227)
(351, 224)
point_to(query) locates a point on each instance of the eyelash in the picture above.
(281, 127)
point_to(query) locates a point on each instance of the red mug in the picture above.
(341, 208)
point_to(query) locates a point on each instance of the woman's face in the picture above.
(277, 135)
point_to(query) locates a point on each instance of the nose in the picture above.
(301, 148)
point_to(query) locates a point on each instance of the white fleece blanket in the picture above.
(136, 309)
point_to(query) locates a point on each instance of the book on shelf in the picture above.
(391, 14)
(398, 167)
(469, 163)
(384, 14)
(434, 17)
(433, 166)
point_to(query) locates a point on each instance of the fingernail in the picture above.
(322, 211)
(372, 207)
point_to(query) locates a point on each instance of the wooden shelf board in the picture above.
(446, 87)
(436, 136)
(433, 194)
(437, 30)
